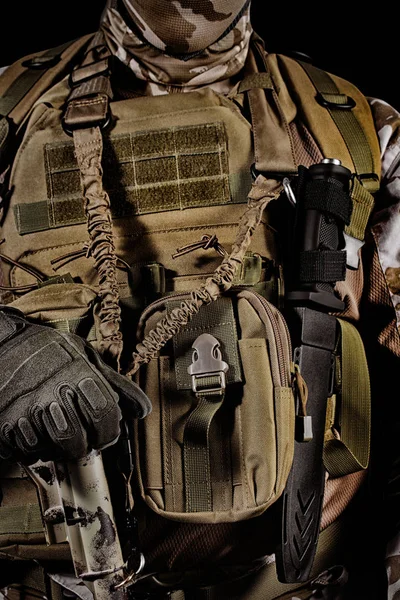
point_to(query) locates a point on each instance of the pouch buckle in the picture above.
(207, 362)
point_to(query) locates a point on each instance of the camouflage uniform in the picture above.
(165, 51)
(374, 301)
(216, 67)
(385, 230)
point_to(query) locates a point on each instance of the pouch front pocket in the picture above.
(210, 451)
(64, 306)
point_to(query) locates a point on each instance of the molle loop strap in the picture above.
(363, 203)
(89, 99)
(31, 77)
(267, 115)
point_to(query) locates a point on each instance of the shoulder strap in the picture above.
(23, 82)
(27, 79)
(334, 111)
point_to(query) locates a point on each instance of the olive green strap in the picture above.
(350, 453)
(255, 81)
(363, 203)
(196, 449)
(20, 519)
(339, 107)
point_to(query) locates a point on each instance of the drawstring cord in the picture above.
(61, 261)
(20, 288)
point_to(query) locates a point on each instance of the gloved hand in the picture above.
(58, 399)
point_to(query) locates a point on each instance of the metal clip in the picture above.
(289, 191)
(207, 362)
(131, 578)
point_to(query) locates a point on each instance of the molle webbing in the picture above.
(339, 107)
(335, 112)
(339, 118)
(24, 519)
(218, 320)
(144, 172)
(273, 146)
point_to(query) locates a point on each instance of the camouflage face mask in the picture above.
(169, 52)
(183, 27)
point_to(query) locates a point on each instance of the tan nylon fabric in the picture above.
(177, 548)
(262, 193)
(47, 80)
(317, 118)
(349, 452)
(250, 444)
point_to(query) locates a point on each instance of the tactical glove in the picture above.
(58, 399)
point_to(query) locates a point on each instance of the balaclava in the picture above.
(179, 45)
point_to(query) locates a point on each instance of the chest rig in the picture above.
(166, 181)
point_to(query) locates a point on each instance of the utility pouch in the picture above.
(68, 307)
(218, 444)
(65, 306)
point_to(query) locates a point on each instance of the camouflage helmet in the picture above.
(183, 27)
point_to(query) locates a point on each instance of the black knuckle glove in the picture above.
(58, 399)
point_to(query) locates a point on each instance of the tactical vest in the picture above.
(179, 171)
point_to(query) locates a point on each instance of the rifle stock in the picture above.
(76, 507)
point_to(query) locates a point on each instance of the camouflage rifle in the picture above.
(76, 507)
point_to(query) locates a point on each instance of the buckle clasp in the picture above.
(207, 364)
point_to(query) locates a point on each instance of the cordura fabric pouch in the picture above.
(218, 445)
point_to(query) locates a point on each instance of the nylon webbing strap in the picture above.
(339, 107)
(196, 449)
(254, 81)
(322, 266)
(363, 203)
(26, 80)
(20, 519)
(350, 453)
(325, 196)
(216, 318)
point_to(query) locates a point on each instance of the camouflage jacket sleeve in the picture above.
(382, 320)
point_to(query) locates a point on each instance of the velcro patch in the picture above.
(146, 171)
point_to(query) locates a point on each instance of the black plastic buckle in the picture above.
(348, 105)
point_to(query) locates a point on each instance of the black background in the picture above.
(357, 45)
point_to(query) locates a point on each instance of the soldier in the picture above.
(60, 395)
